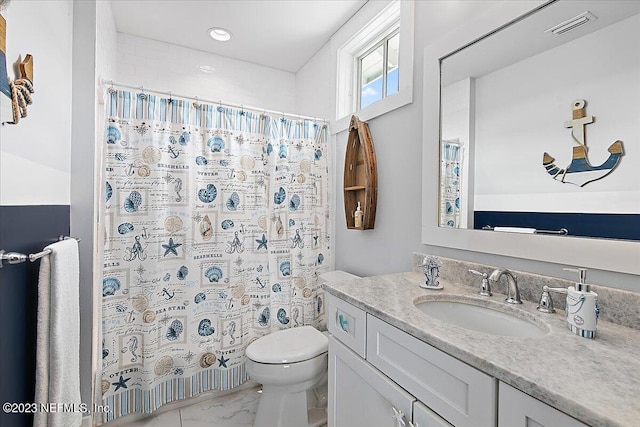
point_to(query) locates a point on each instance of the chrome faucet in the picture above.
(513, 293)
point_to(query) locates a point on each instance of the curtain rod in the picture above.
(111, 83)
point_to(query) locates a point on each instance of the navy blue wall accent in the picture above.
(611, 226)
(25, 229)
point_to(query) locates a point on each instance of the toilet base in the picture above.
(280, 407)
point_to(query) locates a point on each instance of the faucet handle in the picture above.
(545, 304)
(477, 273)
(485, 290)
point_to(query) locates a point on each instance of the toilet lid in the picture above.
(288, 346)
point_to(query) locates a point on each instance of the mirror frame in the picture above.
(621, 255)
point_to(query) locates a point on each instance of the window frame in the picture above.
(364, 30)
(383, 41)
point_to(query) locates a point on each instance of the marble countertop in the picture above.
(595, 381)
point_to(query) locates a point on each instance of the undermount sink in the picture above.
(469, 314)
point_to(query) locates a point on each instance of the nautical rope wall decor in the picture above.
(18, 91)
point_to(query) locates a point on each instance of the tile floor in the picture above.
(231, 410)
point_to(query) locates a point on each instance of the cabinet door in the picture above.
(348, 324)
(425, 417)
(359, 395)
(518, 409)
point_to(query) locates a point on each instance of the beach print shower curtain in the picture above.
(450, 183)
(216, 227)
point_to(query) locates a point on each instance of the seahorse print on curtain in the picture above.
(216, 227)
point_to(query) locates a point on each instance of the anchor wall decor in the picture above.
(580, 172)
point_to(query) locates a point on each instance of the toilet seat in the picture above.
(288, 346)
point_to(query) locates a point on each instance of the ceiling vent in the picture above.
(575, 22)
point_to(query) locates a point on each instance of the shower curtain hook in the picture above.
(111, 88)
(196, 104)
(142, 94)
(170, 98)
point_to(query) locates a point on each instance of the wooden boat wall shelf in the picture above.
(360, 175)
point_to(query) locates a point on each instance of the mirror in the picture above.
(517, 109)
(615, 255)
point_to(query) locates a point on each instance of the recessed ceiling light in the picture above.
(220, 34)
(207, 69)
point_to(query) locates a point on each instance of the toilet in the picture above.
(291, 365)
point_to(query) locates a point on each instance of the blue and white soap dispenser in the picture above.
(582, 306)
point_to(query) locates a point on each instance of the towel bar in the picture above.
(561, 232)
(17, 258)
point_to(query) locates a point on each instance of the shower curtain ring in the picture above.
(196, 104)
(111, 88)
(142, 94)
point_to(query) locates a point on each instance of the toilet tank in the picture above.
(336, 276)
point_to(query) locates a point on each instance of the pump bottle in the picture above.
(582, 306)
(358, 214)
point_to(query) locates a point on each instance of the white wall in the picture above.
(313, 88)
(35, 153)
(520, 113)
(106, 42)
(163, 66)
(87, 191)
(397, 138)
(82, 186)
(398, 143)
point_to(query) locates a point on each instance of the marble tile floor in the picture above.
(231, 410)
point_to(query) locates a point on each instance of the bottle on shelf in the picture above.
(358, 214)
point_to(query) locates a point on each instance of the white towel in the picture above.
(515, 230)
(58, 336)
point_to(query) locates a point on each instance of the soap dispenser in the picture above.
(582, 306)
(358, 214)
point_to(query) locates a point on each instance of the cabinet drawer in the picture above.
(360, 396)
(517, 409)
(348, 324)
(457, 392)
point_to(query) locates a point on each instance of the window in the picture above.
(378, 71)
(373, 56)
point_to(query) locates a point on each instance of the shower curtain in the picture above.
(450, 183)
(216, 227)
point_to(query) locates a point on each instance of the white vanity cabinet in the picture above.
(362, 345)
(382, 376)
(518, 409)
